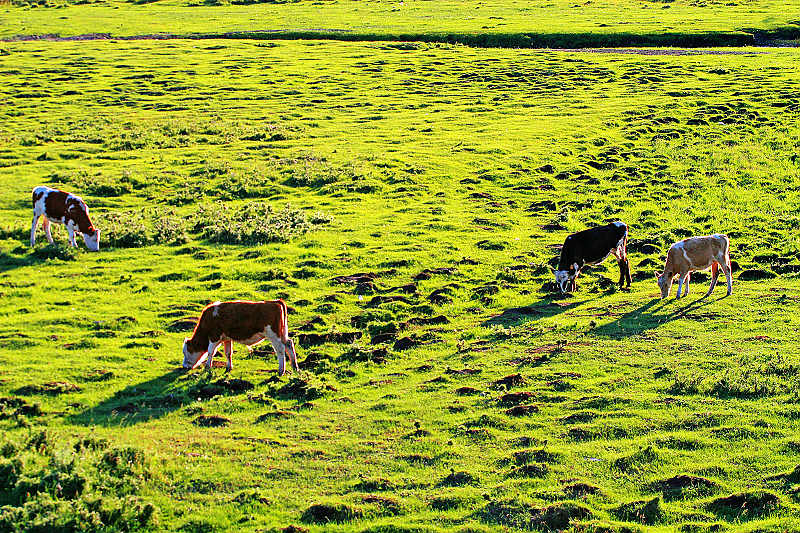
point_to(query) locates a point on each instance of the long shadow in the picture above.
(29, 257)
(546, 307)
(138, 403)
(649, 316)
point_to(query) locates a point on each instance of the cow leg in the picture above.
(46, 228)
(33, 229)
(212, 349)
(726, 267)
(714, 276)
(686, 290)
(280, 350)
(71, 235)
(680, 286)
(229, 354)
(292, 353)
(621, 263)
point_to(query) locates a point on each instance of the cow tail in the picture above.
(284, 325)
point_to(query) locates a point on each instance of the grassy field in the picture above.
(446, 387)
(514, 23)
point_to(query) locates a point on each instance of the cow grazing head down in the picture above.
(244, 322)
(665, 280)
(92, 240)
(192, 355)
(565, 279)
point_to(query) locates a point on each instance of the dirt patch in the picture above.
(463, 371)
(300, 389)
(223, 386)
(458, 479)
(522, 410)
(440, 296)
(646, 512)
(325, 513)
(273, 415)
(405, 343)
(363, 277)
(315, 339)
(182, 325)
(674, 486)
(515, 398)
(380, 300)
(745, 504)
(512, 380)
(211, 421)
(51, 388)
(579, 490)
(467, 391)
(428, 273)
(530, 470)
(422, 321)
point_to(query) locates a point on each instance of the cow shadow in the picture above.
(23, 256)
(138, 403)
(651, 315)
(549, 306)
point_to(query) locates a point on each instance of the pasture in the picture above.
(407, 201)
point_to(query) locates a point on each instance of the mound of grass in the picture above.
(135, 229)
(323, 513)
(47, 492)
(253, 223)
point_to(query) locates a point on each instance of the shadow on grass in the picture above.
(650, 316)
(138, 403)
(34, 256)
(546, 307)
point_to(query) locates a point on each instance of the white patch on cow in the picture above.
(562, 279)
(619, 224)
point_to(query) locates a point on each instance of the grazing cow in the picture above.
(63, 208)
(239, 321)
(591, 247)
(696, 253)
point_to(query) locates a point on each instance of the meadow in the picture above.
(510, 23)
(407, 200)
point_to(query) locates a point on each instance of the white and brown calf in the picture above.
(63, 208)
(244, 322)
(696, 253)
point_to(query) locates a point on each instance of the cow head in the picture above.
(565, 279)
(192, 355)
(664, 282)
(92, 240)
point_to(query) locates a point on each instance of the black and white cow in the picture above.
(591, 247)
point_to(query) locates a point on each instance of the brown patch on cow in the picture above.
(63, 206)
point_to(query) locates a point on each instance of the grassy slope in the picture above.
(451, 141)
(605, 17)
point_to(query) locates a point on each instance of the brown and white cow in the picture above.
(696, 253)
(63, 208)
(239, 321)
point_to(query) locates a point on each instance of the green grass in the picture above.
(398, 160)
(560, 23)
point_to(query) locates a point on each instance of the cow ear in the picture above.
(657, 273)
